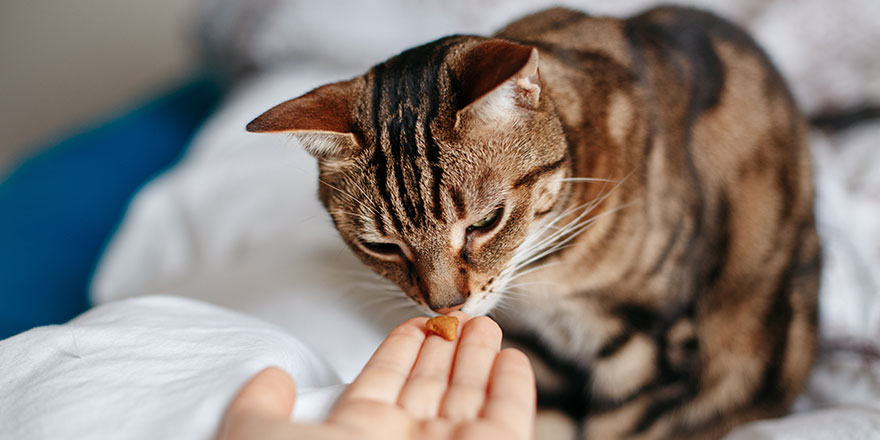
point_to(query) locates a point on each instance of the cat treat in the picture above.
(445, 326)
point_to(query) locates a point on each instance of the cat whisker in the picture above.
(561, 240)
(379, 283)
(339, 190)
(502, 306)
(388, 310)
(351, 197)
(362, 273)
(585, 209)
(354, 279)
(540, 245)
(369, 303)
(361, 216)
(530, 252)
(366, 197)
(589, 206)
(373, 287)
(518, 287)
(378, 296)
(586, 179)
(538, 235)
(571, 233)
(384, 297)
(510, 297)
(543, 248)
(532, 269)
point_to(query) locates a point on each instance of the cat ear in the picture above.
(320, 119)
(500, 78)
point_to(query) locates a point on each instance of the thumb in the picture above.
(271, 394)
(267, 397)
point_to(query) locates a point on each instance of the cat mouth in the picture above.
(476, 305)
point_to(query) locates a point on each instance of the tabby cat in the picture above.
(631, 198)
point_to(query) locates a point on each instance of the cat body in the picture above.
(631, 199)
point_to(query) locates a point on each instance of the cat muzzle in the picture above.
(447, 305)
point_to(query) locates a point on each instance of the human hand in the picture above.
(416, 386)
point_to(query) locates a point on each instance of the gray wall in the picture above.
(64, 63)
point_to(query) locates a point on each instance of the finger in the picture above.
(429, 379)
(512, 395)
(271, 393)
(480, 343)
(386, 372)
(266, 399)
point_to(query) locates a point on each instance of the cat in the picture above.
(631, 198)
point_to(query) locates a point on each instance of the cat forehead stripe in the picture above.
(405, 101)
(379, 159)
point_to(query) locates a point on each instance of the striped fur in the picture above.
(631, 199)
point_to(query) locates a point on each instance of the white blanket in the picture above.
(148, 368)
(237, 223)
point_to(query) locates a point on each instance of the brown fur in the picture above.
(681, 299)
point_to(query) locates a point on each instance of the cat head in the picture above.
(436, 165)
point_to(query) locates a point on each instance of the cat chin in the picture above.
(475, 306)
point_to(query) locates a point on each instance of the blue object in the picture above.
(59, 208)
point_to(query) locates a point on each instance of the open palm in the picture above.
(416, 386)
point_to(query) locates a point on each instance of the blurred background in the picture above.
(98, 97)
(70, 63)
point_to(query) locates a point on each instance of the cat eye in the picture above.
(383, 249)
(487, 222)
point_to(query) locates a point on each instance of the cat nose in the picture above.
(450, 305)
(446, 310)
